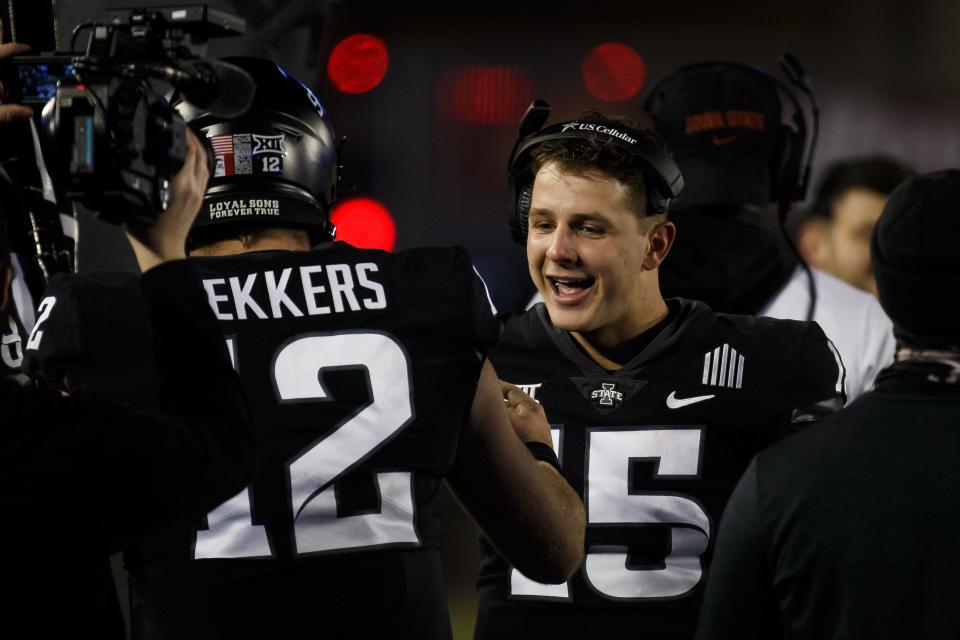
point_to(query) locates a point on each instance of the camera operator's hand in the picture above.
(11, 112)
(166, 238)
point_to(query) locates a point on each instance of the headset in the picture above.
(791, 160)
(665, 184)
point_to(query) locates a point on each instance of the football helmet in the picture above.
(277, 164)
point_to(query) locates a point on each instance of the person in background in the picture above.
(848, 530)
(834, 235)
(741, 147)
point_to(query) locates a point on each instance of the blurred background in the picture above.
(429, 98)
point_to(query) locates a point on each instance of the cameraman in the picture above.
(19, 320)
(81, 476)
(12, 112)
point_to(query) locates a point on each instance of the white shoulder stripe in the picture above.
(842, 370)
(493, 307)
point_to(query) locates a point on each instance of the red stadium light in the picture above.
(358, 63)
(484, 95)
(613, 72)
(364, 223)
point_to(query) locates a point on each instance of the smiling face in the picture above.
(593, 258)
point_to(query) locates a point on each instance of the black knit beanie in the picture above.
(916, 256)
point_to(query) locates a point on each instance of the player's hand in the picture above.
(526, 415)
(166, 238)
(12, 112)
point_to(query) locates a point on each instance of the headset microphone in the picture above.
(798, 77)
(532, 121)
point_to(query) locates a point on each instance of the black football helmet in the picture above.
(277, 164)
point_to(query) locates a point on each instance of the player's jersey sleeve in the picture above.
(482, 311)
(805, 379)
(199, 451)
(821, 376)
(55, 342)
(98, 474)
(93, 334)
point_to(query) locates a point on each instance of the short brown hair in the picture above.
(248, 234)
(588, 156)
(880, 174)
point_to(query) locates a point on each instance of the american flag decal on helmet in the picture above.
(223, 150)
(723, 367)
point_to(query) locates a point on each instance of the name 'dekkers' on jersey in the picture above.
(293, 292)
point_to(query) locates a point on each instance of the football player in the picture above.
(812, 539)
(369, 386)
(656, 405)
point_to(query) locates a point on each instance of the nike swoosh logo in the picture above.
(673, 402)
(717, 140)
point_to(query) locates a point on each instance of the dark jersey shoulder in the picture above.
(793, 353)
(654, 449)
(774, 366)
(92, 334)
(361, 367)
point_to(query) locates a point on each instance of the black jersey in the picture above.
(361, 367)
(654, 449)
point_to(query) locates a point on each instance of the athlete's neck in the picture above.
(262, 242)
(613, 346)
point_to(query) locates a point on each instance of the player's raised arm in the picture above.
(525, 508)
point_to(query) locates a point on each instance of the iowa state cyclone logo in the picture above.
(607, 395)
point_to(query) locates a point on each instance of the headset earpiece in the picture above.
(787, 160)
(524, 199)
